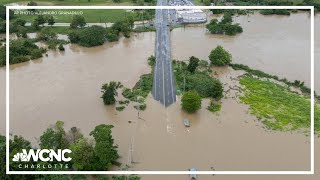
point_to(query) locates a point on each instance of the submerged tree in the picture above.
(105, 151)
(109, 92)
(54, 138)
(191, 101)
(220, 57)
(193, 64)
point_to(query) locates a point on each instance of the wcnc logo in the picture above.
(44, 155)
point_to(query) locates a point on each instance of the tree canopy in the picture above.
(78, 21)
(225, 26)
(193, 64)
(220, 57)
(109, 91)
(191, 101)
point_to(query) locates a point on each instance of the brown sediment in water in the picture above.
(273, 44)
(66, 86)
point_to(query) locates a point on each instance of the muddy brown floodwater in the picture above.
(66, 86)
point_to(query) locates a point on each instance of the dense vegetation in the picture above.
(277, 106)
(109, 91)
(2, 56)
(136, 95)
(275, 11)
(200, 80)
(214, 106)
(191, 101)
(97, 35)
(225, 26)
(88, 37)
(298, 84)
(22, 50)
(220, 57)
(97, 154)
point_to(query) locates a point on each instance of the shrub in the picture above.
(74, 36)
(2, 56)
(61, 48)
(22, 50)
(120, 108)
(275, 11)
(205, 85)
(109, 91)
(151, 61)
(141, 107)
(220, 57)
(112, 35)
(225, 26)
(92, 36)
(214, 107)
(193, 64)
(37, 53)
(191, 101)
(47, 34)
(78, 22)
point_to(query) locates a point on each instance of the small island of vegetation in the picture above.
(224, 26)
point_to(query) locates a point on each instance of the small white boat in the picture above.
(186, 122)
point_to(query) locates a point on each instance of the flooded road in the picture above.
(66, 86)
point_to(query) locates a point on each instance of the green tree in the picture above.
(105, 151)
(2, 26)
(3, 157)
(111, 35)
(16, 144)
(191, 101)
(123, 26)
(47, 34)
(2, 56)
(151, 60)
(51, 20)
(227, 18)
(60, 47)
(40, 20)
(74, 36)
(74, 135)
(82, 154)
(21, 32)
(35, 25)
(32, 3)
(92, 36)
(220, 57)
(205, 85)
(193, 64)
(109, 91)
(54, 138)
(78, 22)
(20, 22)
(3, 13)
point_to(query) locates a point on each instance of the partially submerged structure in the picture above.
(187, 16)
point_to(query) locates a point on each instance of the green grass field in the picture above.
(91, 16)
(277, 107)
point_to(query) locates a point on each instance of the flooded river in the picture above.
(66, 86)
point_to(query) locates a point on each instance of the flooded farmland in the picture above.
(66, 86)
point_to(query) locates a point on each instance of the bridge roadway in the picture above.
(163, 89)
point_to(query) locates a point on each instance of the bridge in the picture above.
(163, 89)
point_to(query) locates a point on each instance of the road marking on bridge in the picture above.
(163, 88)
